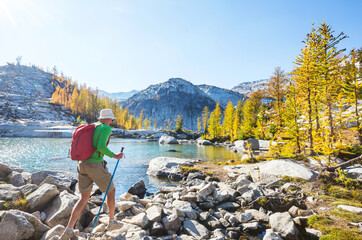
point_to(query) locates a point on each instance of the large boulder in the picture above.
(138, 189)
(195, 229)
(354, 172)
(14, 226)
(17, 180)
(284, 224)
(63, 180)
(172, 222)
(165, 139)
(204, 142)
(273, 170)
(168, 167)
(243, 144)
(40, 198)
(5, 170)
(9, 192)
(154, 213)
(58, 212)
(39, 227)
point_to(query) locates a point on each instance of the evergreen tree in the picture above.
(214, 127)
(237, 120)
(276, 90)
(179, 123)
(227, 125)
(352, 88)
(205, 117)
(304, 76)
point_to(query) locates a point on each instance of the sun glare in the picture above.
(4, 6)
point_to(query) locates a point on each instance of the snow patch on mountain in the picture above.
(221, 94)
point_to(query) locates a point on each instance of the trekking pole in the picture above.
(100, 208)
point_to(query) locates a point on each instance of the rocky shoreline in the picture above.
(246, 206)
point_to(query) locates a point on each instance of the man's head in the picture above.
(106, 116)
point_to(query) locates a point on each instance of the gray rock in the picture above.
(57, 230)
(258, 215)
(207, 190)
(28, 188)
(157, 229)
(251, 226)
(172, 222)
(203, 216)
(354, 172)
(125, 205)
(8, 192)
(58, 212)
(40, 198)
(252, 195)
(245, 217)
(140, 220)
(254, 143)
(213, 222)
(166, 167)
(63, 180)
(39, 227)
(204, 142)
(14, 226)
(190, 196)
(350, 208)
(283, 223)
(5, 170)
(27, 177)
(228, 206)
(206, 205)
(184, 209)
(270, 235)
(196, 175)
(195, 229)
(273, 170)
(165, 139)
(138, 189)
(17, 180)
(154, 213)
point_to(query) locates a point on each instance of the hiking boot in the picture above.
(114, 225)
(67, 234)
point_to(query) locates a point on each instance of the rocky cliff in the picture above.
(248, 87)
(222, 95)
(167, 100)
(25, 93)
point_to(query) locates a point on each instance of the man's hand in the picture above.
(118, 156)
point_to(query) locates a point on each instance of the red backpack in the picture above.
(82, 142)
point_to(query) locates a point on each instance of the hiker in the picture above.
(94, 169)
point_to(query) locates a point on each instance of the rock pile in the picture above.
(198, 208)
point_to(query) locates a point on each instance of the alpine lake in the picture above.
(37, 154)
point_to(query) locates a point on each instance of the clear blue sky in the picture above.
(124, 45)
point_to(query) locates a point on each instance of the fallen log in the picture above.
(345, 164)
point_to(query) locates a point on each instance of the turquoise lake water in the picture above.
(35, 154)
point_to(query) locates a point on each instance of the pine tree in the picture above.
(237, 120)
(276, 90)
(199, 124)
(329, 74)
(205, 117)
(214, 127)
(352, 88)
(227, 125)
(304, 76)
(179, 123)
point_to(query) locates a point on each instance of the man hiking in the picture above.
(93, 170)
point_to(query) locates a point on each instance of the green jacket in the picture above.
(100, 138)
